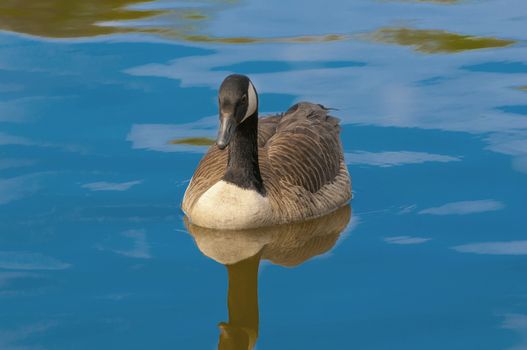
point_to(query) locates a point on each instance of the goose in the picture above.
(267, 171)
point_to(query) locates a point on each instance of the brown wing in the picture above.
(305, 149)
(267, 128)
(209, 171)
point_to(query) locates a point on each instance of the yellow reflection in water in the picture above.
(67, 18)
(241, 252)
(194, 141)
(86, 18)
(436, 41)
(253, 40)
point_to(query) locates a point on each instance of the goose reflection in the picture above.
(241, 252)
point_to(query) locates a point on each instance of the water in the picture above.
(104, 110)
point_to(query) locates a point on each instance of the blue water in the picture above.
(94, 253)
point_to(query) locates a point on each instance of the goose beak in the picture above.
(226, 132)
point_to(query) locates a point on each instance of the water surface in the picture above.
(107, 106)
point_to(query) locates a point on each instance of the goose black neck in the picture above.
(243, 169)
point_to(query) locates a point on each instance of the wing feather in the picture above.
(305, 150)
(210, 170)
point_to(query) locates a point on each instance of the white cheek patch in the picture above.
(253, 101)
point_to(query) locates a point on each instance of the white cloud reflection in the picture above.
(406, 240)
(465, 207)
(520, 164)
(518, 324)
(16, 110)
(19, 187)
(494, 248)
(157, 137)
(140, 248)
(7, 277)
(8, 163)
(12, 338)
(389, 159)
(6, 139)
(111, 186)
(15, 260)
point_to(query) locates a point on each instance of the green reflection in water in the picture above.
(194, 141)
(253, 40)
(87, 18)
(436, 41)
(67, 18)
(73, 19)
(522, 88)
(241, 252)
(194, 15)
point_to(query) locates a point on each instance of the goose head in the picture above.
(237, 101)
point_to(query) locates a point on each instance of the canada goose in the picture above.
(267, 171)
(241, 251)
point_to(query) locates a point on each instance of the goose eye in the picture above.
(244, 99)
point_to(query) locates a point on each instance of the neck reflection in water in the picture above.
(241, 252)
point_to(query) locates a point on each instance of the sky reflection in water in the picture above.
(107, 106)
